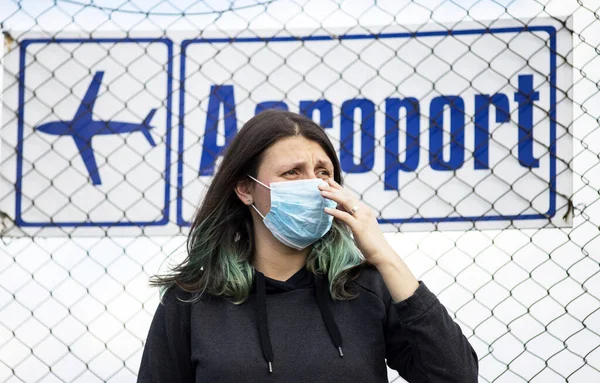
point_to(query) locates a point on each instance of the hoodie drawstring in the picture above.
(321, 293)
(263, 324)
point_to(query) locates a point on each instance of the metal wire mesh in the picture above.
(82, 236)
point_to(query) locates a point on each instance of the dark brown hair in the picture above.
(221, 243)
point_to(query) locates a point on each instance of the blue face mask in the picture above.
(297, 218)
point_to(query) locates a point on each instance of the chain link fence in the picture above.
(470, 126)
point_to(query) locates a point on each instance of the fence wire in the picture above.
(75, 305)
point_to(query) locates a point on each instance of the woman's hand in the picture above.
(362, 221)
(370, 240)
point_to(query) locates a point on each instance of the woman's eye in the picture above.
(290, 173)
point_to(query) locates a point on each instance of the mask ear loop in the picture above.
(254, 206)
(257, 181)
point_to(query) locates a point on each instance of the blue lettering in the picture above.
(367, 138)
(413, 129)
(457, 133)
(525, 97)
(307, 108)
(482, 124)
(222, 100)
(219, 95)
(270, 105)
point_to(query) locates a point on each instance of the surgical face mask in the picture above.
(297, 217)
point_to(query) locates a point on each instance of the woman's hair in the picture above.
(220, 244)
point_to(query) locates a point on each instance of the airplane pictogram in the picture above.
(83, 128)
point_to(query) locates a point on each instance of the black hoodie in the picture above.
(294, 332)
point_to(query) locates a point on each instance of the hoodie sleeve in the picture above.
(167, 353)
(424, 344)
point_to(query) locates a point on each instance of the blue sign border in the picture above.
(552, 46)
(167, 174)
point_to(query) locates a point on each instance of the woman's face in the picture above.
(290, 159)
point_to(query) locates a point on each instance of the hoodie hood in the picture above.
(303, 279)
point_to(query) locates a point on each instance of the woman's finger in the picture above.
(334, 184)
(326, 187)
(341, 215)
(332, 195)
(346, 204)
(341, 198)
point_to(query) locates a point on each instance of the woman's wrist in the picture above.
(384, 257)
(398, 278)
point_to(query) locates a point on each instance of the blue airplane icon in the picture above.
(83, 128)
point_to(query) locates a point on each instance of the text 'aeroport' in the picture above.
(222, 98)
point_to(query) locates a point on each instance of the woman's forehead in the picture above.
(295, 149)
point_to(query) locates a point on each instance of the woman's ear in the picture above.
(243, 189)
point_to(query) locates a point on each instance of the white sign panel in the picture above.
(435, 128)
(87, 133)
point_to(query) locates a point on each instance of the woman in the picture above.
(279, 285)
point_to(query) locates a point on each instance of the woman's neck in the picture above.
(275, 260)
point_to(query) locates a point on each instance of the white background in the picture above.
(296, 71)
(527, 299)
(55, 182)
(130, 169)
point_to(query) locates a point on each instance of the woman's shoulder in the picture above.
(175, 296)
(370, 280)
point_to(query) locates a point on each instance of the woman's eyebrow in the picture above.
(324, 163)
(291, 164)
(301, 163)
